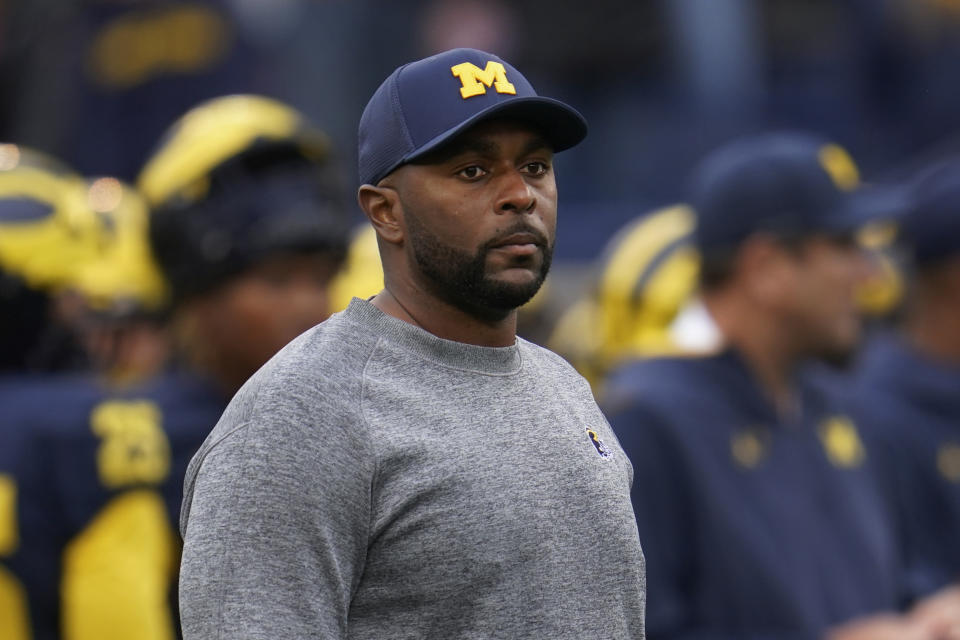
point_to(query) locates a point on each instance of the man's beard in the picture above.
(839, 355)
(461, 278)
(837, 352)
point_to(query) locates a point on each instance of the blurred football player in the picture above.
(906, 390)
(752, 489)
(42, 236)
(248, 228)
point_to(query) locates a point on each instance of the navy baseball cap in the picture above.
(424, 104)
(784, 183)
(930, 226)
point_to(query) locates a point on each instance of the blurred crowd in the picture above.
(176, 204)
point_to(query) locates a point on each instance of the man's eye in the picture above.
(471, 173)
(536, 168)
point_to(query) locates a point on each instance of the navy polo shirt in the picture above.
(909, 408)
(753, 526)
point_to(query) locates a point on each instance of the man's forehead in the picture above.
(494, 126)
(488, 137)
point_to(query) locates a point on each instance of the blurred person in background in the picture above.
(119, 296)
(906, 386)
(44, 236)
(60, 256)
(642, 300)
(753, 497)
(47, 233)
(642, 280)
(248, 227)
(53, 420)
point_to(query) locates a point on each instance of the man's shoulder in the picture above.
(667, 375)
(875, 388)
(29, 389)
(666, 390)
(543, 358)
(315, 374)
(332, 351)
(49, 404)
(308, 394)
(544, 363)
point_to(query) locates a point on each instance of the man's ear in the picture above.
(383, 208)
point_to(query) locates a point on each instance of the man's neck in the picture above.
(445, 320)
(757, 339)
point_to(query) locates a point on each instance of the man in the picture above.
(249, 228)
(907, 386)
(44, 238)
(758, 515)
(118, 297)
(410, 468)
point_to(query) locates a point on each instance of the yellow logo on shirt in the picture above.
(841, 442)
(598, 444)
(473, 79)
(748, 448)
(134, 449)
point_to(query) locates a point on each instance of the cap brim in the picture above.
(868, 204)
(561, 124)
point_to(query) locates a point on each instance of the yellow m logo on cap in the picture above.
(473, 79)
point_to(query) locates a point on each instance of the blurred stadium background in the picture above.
(95, 82)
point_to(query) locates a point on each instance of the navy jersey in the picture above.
(99, 481)
(753, 526)
(14, 614)
(909, 409)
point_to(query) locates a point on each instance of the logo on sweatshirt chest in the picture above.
(598, 444)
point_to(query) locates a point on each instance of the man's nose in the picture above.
(516, 194)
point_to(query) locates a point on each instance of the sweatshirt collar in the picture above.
(456, 355)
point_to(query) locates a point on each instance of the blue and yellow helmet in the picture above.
(644, 278)
(210, 134)
(362, 272)
(235, 179)
(123, 277)
(45, 229)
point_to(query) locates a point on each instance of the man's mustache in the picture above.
(538, 238)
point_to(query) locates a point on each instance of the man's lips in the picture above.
(519, 243)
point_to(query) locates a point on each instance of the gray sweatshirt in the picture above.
(375, 481)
